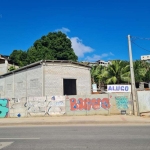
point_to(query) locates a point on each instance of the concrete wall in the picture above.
(37, 106)
(44, 80)
(102, 104)
(56, 72)
(20, 84)
(111, 103)
(24, 83)
(34, 81)
(4, 66)
(120, 101)
(144, 101)
(9, 86)
(17, 107)
(88, 104)
(2, 87)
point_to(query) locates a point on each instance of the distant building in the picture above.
(5, 64)
(104, 63)
(145, 58)
(99, 62)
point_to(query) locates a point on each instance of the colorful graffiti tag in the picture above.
(121, 102)
(87, 104)
(4, 108)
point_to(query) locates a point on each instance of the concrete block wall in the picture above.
(37, 106)
(45, 80)
(103, 104)
(24, 83)
(35, 81)
(144, 101)
(17, 107)
(2, 87)
(95, 104)
(120, 101)
(20, 84)
(56, 72)
(9, 86)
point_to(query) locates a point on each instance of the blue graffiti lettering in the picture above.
(121, 102)
(3, 108)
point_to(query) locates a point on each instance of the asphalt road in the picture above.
(75, 138)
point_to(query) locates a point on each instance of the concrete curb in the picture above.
(74, 123)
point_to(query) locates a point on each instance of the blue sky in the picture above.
(98, 29)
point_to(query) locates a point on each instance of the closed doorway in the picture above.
(69, 86)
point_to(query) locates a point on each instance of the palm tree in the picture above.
(94, 72)
(140, 70)
(102, 75)
(118, 71)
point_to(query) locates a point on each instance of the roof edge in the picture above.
(44, 61)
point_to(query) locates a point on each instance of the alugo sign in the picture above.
(118, 88)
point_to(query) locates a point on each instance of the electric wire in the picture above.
(141, 38)
(140, 46)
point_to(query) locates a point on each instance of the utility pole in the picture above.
(134, 92)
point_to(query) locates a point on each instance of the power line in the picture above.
(140, 46)
(141, 38)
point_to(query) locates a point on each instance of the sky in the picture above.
(98, 29)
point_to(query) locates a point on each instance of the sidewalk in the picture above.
(75, 120)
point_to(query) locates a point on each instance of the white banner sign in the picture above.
(94, 86)
(118, 88)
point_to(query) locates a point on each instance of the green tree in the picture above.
(11, 68)
(118, 72)
(101, 75)
(54, 46)
(140, 70)
(19, 58)
(94, 73)
(147, 76)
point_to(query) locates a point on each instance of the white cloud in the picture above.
(79, 48)
(64, 30)
(98, 57)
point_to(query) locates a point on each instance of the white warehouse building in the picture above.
(47, 78)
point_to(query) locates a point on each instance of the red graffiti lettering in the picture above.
(73, 104)
(80, 103)
(96, 103)
(87, 104)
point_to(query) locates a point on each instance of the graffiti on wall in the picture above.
(88, 104)
(49, 105)
(4, 108)
(17, 108)
(121, 102)
(36, 105)
(56, 105)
